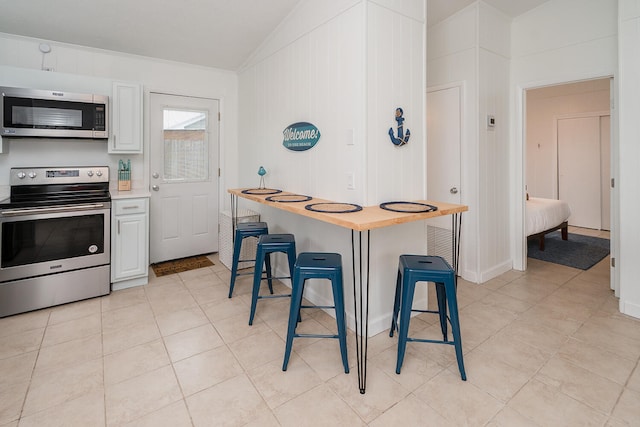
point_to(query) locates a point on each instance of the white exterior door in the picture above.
(579, 171)
(443, 148)
(184, 176)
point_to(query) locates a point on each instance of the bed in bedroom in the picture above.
(544, 216)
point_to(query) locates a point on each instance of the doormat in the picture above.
(582, 252)
(180, 265)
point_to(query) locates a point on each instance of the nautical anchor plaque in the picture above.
(402, 137)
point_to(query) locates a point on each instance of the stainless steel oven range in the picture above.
(55, 237)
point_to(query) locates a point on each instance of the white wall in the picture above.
(395, 78)
(317, 79)
(345, 67)
(494, 254)
(544, 107)
(472, 47)
(558, 42)
(452, 52)
(92, 70)
(629, 175)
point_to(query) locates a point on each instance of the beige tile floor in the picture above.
(543, 348)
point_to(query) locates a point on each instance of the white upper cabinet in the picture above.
(126, 118)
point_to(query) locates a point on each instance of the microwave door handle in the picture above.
(57, 209)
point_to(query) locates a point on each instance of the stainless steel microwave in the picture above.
(53, 114)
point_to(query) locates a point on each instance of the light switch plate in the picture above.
(351, 181)
(350, 137)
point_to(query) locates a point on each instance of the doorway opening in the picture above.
(567, 148)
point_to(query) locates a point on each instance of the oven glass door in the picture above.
(35, 243)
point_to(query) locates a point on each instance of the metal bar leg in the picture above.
(456, 229)
(355, 304)
(361, 304)
(234, 218)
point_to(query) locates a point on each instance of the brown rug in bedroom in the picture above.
(180, 265)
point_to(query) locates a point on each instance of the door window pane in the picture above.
(186, 146)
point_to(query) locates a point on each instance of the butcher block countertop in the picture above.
(370, 217)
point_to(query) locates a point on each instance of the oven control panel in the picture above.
(58, 175)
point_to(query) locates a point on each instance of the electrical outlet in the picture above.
(351, 181)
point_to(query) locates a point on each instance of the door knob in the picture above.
(155, 188)
(453, 190)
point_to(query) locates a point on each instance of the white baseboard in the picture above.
(496, 271)
(630, 308)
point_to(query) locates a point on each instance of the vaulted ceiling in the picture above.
(213, 33)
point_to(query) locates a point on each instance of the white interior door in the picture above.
(184, 179)
(579, 171)
(443, 163)
(443, 148)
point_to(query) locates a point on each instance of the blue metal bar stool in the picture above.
(317, 265)
(420, 268)
(244, 230)
(268, 244)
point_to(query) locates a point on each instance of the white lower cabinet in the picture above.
(129, 243)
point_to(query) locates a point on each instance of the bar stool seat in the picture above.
(243, 231)
(268, 244)
(420, 268)
(317, 265)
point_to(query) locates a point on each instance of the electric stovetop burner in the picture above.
(52, 186)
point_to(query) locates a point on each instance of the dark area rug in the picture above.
(579, 251)
(180, 265)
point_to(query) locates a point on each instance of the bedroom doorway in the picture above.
(568, 146)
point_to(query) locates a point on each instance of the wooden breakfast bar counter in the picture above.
(362, 220)
(369, 218)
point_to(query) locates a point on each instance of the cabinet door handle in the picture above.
(131, 207)
(118, 226)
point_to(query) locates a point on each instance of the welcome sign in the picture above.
(300, 136)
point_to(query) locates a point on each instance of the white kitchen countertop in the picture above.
(131, 194)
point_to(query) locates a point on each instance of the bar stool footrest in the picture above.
(318, 306)
(315, 336)
(425, 311)
(430, 341)
(274, 277)
(274, 296)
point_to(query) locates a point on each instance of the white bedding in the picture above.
(543, 214)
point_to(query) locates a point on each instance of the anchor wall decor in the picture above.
(402, 137)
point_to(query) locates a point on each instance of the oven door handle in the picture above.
(56, 209)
